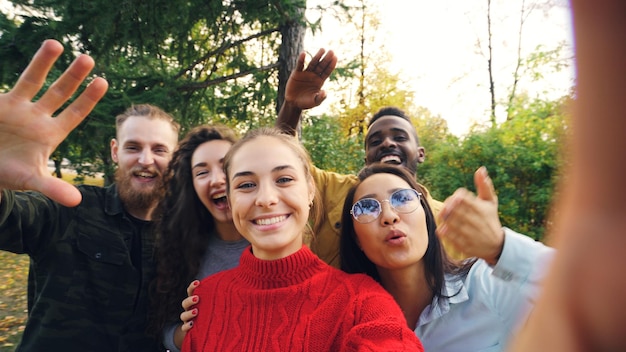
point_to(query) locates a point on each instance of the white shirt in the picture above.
(491, 302)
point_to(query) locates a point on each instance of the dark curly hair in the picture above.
(183, 225)
(393, 111)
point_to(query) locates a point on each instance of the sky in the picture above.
(433, 45)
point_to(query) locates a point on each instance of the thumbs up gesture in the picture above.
(470, 222)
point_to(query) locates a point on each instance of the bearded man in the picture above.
(90, 248)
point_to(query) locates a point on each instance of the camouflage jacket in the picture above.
(85, 293)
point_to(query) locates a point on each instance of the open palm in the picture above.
(28, 131)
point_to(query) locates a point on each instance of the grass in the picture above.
(13, 281)
(13, 278)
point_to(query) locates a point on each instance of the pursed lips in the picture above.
(394, 235)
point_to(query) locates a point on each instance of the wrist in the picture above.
(499, 251)
(288, 117)
(291, 106)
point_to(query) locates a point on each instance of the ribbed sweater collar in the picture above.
(284, 272)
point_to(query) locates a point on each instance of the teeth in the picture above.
(219, 195)
(391, 158)
(144, 174)
(270, 221)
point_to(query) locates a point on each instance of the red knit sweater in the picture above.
(297, 303)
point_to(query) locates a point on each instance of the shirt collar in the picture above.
(112, 203)
(454, 287)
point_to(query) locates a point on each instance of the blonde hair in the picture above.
(317, 211)
(146, 110)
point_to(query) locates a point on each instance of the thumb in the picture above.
(484, 186)
(320, 97)
(59, 191)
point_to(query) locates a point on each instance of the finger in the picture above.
(56, 189)
(189, 315)
(34, 76)
(457, 212)
(315, 61)
(320, 97)
(328, 64)
(442, 230)
(190, 302)
(449, 204)
(300, 62)
(66, 85)
(484, 185)
(445, 234)
(192, 286)
(76, 112)
(185, 327)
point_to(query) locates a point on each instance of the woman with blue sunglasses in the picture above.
(390, 234)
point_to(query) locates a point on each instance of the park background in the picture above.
(486, 82)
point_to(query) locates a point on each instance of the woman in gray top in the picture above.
(196, 236)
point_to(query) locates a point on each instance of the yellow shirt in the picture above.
(333, 188)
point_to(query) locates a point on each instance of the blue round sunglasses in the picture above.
(403, 201)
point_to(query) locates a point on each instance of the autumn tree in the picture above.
(365, 82)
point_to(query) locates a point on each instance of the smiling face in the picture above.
(209, 179)
(269, 194)
(393, 140)
(142, 151)
(394, 240)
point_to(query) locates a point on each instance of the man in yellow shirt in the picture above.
(390, 138)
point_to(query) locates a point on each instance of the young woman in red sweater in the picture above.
(282, 297)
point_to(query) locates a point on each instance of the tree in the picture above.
(329, 148)
(365, 83)
(524, 65)
(202, 61)
(523, 157)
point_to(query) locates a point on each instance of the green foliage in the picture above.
(218, 62)
(329, 148)
(202, 61)
(522, 156)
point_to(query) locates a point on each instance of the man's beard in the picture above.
(135, 198)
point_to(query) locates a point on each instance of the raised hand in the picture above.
(28, 131)
(471, 223)
(304, 87)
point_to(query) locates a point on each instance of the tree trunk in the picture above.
(516, 74)
(292, 45)
(492, 89)
(57, 167)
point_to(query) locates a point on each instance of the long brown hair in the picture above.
(183, 226)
